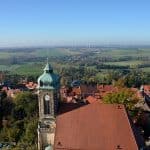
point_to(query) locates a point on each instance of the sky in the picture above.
(74, 22)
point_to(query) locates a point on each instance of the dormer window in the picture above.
(47, 71)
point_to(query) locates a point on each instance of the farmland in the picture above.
(30, 61)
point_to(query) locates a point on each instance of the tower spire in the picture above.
(48, 67)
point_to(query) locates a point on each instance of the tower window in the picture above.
(46, 104)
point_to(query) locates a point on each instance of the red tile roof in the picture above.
(88, 89)
(91, 99)
(147, 89)
(13, 92)
(95, 127)
(5, 89)
(31, 85)
(84, 90)
(105, 89)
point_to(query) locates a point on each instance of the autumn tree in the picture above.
(124, 96)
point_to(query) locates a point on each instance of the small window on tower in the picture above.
(46, 104)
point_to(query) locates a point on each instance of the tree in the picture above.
(120, 83)
(7, 106)
(31, 132)
(25, 105)
(19, 113)
(135, 78)
(124, 96)
(22, 127)
(13, 134)
(3, 135)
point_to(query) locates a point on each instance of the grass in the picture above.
(8, 67)
(146, 69)
(125, 63)
(53, 52)
(116, 53)
(29, 69)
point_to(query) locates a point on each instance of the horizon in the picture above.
(74, 23)
(76, 46)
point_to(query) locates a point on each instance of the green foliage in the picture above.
(25, 146)
(3, 95)
(136, 78)
(13, 134)
(123, 96)
(7, 106)
(132, 78)
(8, 134)
(31, 132)
(25, 105)
(19, 113)
(22, 127)
(3, 135)
(120, 82)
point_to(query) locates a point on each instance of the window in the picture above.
(46, 104)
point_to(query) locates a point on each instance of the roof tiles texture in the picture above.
(91, 99)
(147, 89)
(95, 127)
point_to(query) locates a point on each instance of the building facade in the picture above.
(48, 99)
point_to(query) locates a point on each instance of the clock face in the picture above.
(47, 97)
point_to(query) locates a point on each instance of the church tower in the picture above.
(48, 97)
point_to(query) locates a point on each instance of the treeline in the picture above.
(104, 66)
(93, 58)
(144, 65)
(132, 77)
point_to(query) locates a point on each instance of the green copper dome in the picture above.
(48, 80)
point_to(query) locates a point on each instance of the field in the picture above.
(125, 63)
(31, 61)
